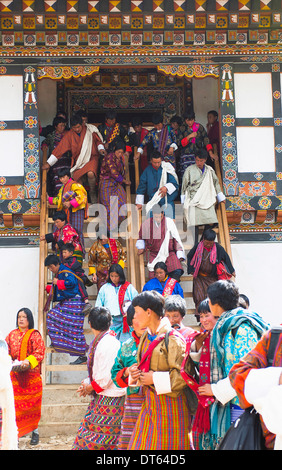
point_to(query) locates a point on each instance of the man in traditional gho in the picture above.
(200, 191)
(159, 183)
(65, 320)
(112, 133)
(161, 139)
(85, 143)
(164, 419)
(193, 137)
(159, 237)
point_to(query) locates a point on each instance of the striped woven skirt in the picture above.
(101, 425)
(112, 195)
(77, 221)
(163, 424)
(65, 327)
(132, 408)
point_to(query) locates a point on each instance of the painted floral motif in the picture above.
(228, 120)
(30, 122)
(256, 122)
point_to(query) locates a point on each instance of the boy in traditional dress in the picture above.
(161, 140)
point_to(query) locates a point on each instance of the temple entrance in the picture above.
(129, 92)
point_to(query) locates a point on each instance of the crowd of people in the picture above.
(154, 383)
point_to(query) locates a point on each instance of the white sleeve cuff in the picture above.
(259, 382)
(162, 382)
(52, 160)
(139, 199)
(101, 147)
(220, 197)
(140, 245)
(174, 146)
(182, 198)
(170, 188)
(180, 254)
(140, 150)
(223, 391)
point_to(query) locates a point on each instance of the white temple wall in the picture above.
(19, 281)
(258, 275)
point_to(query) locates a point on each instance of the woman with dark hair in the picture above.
(112, 178)
(193, 137)
(164, 421)
(202, 262)
(104, 252)
(100, 427)
(64, 233)
(125, 359)
(235, 334)
(27, 350)
(200, 353)
(162, 282)
(50, 143)
(116, 295)
(72, 198)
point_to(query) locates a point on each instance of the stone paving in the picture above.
(48, 443)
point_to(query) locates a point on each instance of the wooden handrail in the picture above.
(129, 240)
(43, 251)
(140, 266)
(221, 213)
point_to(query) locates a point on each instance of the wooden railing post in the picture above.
(42, 255)
(140, 266)
(221, 213)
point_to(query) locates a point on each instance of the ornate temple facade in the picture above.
(148, 54)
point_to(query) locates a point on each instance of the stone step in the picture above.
(62, 410)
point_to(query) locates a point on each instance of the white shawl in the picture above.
(205, 197)
(171, 230)
(167, 168)
(85, 152)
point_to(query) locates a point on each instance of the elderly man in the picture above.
(85, 143)
(200, 191)
(159, 236)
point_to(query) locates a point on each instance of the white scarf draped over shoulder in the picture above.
(86, 148)
(205, 197)
(171, 231)
(167, 169)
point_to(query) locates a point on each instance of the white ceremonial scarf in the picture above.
(205, 197)
(167, 168)
(171, 230)
(85, 152)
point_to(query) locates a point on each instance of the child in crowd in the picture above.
(71, 262)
